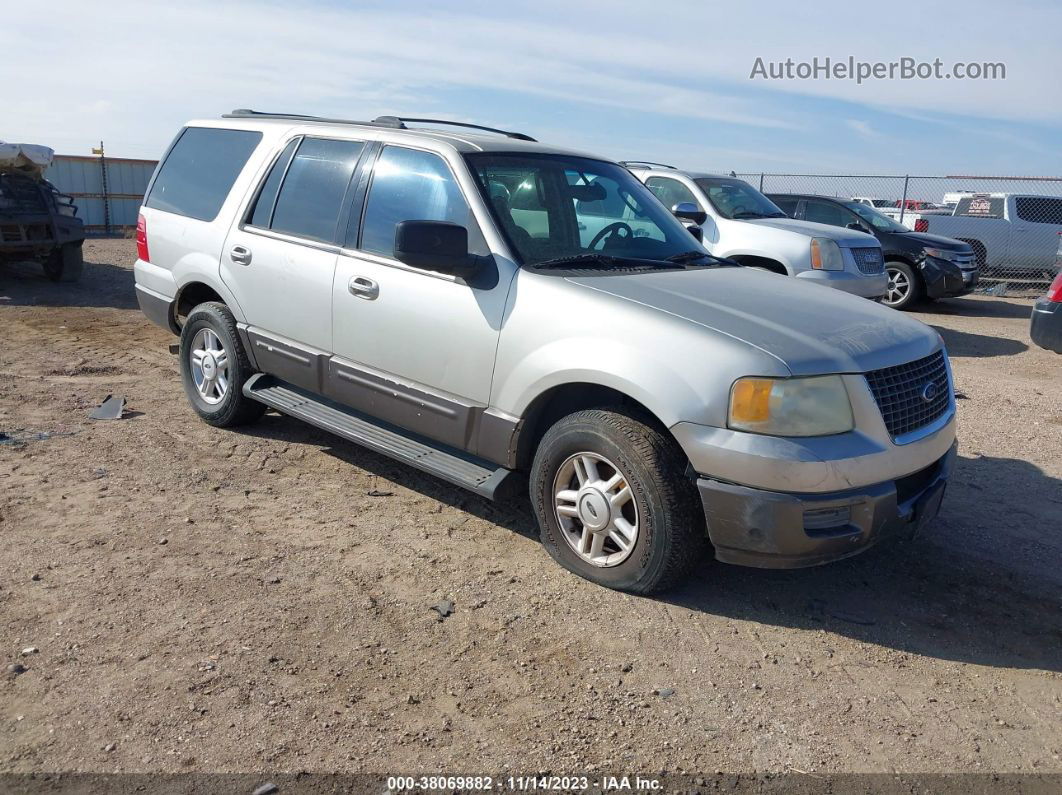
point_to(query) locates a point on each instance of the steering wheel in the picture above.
(608, 231)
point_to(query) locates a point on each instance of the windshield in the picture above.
(553, 207)
(874, 218)
(735, 198)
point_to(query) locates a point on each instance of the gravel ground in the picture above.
(190, 599)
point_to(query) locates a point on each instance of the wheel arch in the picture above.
(199, 291)
(979, 248)
(563, 399)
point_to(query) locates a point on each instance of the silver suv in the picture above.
(738, 222)
(480, 304)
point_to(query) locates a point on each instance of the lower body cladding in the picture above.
(766, 529)
(945, 279)
(864, 286)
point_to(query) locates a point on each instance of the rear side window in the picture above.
(199, 171)
(1039, 210)
(410, 185)
(311, 197)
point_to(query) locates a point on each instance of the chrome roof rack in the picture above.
(390, 122)
(399, 121)
(629, 163)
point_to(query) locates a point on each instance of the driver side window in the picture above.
(671, 192)
(826, 213)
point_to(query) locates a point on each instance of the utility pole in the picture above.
(103, 183)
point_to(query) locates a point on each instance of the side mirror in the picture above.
(435, 246)
(688, 211)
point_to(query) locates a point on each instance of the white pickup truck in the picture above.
(1009, 232)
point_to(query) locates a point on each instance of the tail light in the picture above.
(921, 225)
(141, 239)
(1054, 292)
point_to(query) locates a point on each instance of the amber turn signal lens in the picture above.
(750, 400)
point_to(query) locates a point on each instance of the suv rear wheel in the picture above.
(214, 367)
(613, 503)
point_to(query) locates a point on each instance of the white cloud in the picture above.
(131, 72)
(862, 127)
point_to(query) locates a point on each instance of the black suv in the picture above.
(37, 222)
(918, 265)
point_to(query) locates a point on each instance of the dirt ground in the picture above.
(208, 600)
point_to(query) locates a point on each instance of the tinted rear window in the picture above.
(199, 171)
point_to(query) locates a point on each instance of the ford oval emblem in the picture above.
(930, 391)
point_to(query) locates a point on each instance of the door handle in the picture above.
(363, 287)
(240, 254)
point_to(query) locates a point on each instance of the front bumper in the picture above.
(856, 284)
(945, 279)
(766, 529)
(1046, 325)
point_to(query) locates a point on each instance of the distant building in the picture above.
(112, 208)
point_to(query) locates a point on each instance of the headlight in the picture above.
(941, 253)
(816, 406)
(826, 255)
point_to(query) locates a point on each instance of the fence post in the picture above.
(761, 182)
(903, 201)
(106, 197)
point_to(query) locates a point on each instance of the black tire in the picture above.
(916, 289)
(671, 536)
(234, 408)
(980, 252)
(65, 263)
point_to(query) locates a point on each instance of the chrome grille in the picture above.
(869, 260)
(901, 393)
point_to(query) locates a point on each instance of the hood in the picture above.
(845, 237)
(813, 330)
(936, 241)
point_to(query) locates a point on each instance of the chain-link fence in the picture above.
(1013, 224)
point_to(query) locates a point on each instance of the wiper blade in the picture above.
(576, 259)
(749, 214)
(592, 258)
(690, 256)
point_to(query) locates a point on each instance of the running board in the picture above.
(461, 469)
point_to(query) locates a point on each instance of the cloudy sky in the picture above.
(660, 81)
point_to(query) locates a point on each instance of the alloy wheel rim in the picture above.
(899, 286)
(595, 509)
(209, 363)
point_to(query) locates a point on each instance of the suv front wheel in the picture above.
(214, 367)
(905, 285)
(613, 502)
